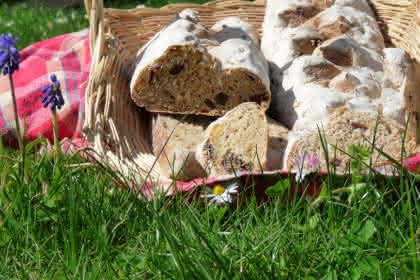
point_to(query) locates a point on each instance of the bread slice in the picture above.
(277, 143)
(174, 140)
(235, 142)
(188, 69)
(346, 127)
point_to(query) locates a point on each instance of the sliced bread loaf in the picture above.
(188, 69)
(235, 142)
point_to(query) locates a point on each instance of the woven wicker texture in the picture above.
(400, 23)
(117, 129)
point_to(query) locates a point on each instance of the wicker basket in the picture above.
(116, 128)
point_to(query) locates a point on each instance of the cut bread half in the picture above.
(188, 69)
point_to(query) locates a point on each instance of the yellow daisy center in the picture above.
(218, 190)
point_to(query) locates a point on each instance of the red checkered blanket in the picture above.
(68, 56)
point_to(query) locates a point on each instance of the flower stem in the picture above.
(55, 127)
(19, 135)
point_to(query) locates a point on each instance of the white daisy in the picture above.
(220, 195)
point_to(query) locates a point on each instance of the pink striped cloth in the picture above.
(68, 56)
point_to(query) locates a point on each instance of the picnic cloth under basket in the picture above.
(98, 111)
(68, 56)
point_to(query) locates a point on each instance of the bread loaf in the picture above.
(344, 32)
(188, 69)
(330, 70)
(346, 127)
(174, 140)
(235, 142)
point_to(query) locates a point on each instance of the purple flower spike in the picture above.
(9, 55)
(52, 94)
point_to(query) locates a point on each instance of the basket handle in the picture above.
(95, 14)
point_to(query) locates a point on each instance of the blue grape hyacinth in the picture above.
(53, 95)
(9, 55)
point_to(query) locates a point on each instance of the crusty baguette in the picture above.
(188, 69)
(346, 127)
(295, 28)
(174, 140)
(235, 142)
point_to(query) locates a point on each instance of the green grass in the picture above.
(32, 25)
(69, 222)
(64, 220)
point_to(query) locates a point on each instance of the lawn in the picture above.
(64, 219)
